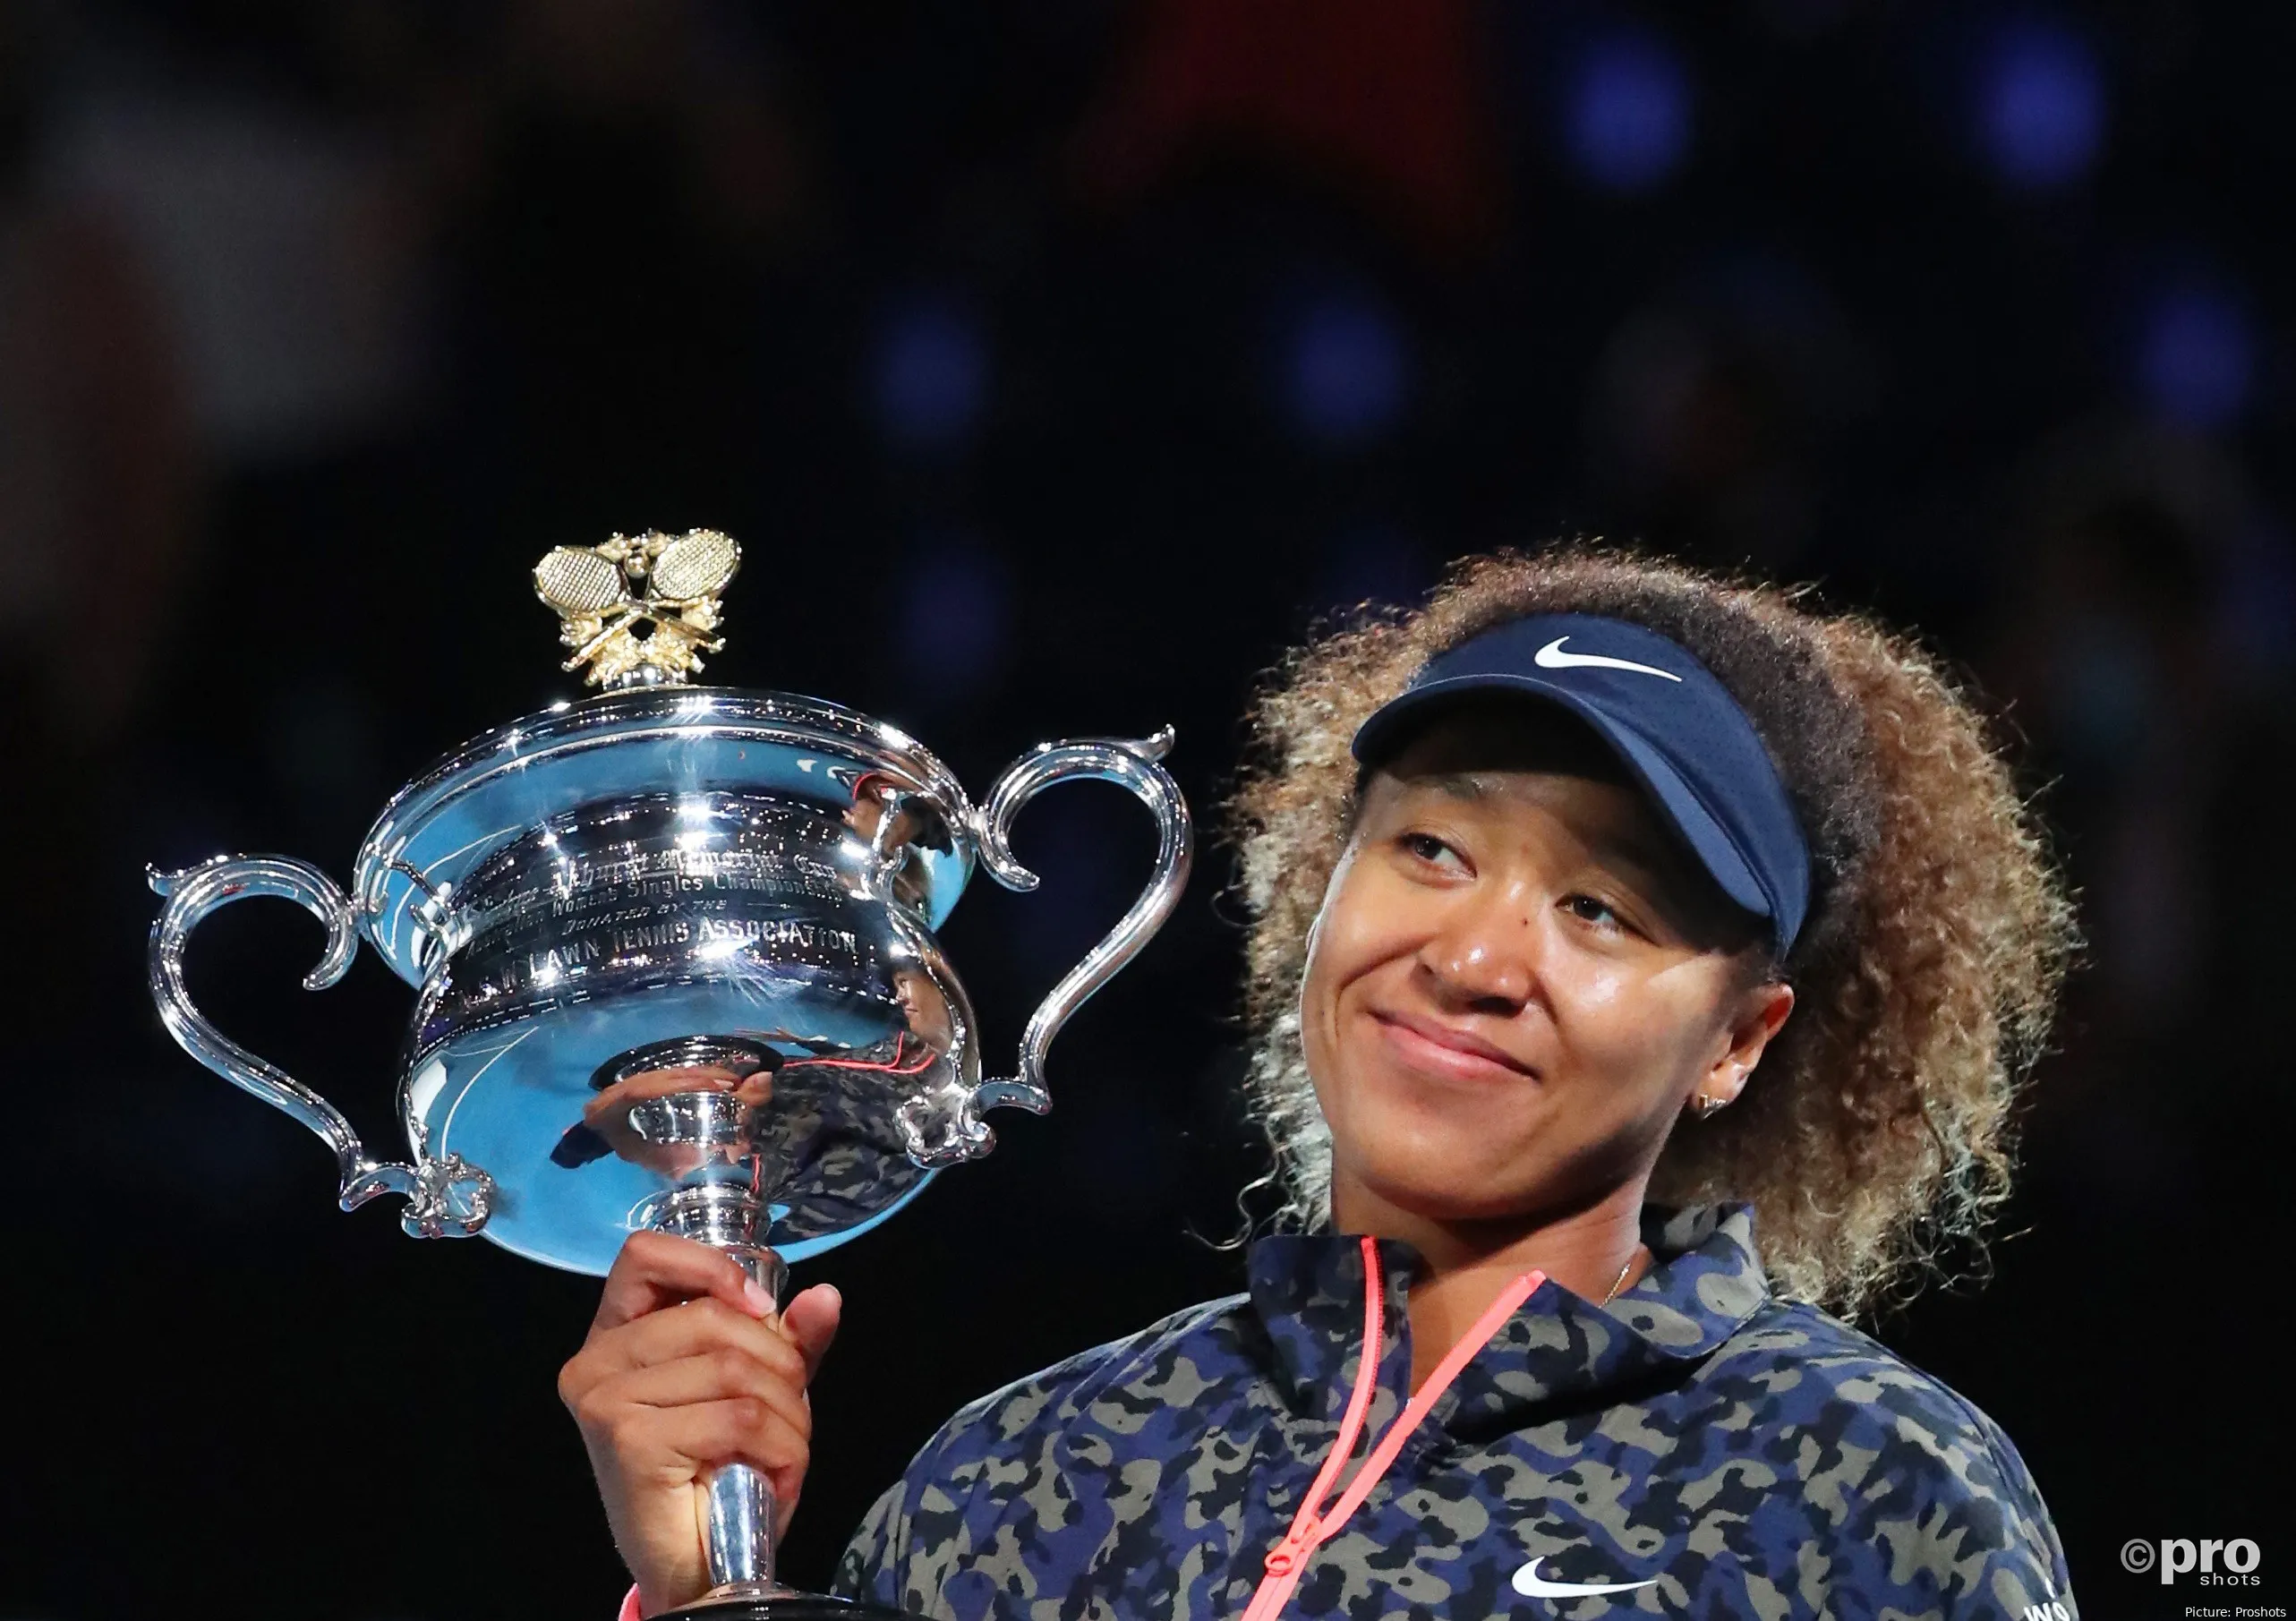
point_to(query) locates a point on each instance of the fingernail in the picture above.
(760, 1299)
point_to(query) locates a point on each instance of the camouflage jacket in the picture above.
(1698, 1447)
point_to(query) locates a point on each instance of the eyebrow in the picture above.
(1657, 863)
(1656, 860)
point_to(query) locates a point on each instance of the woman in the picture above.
(1638, 962)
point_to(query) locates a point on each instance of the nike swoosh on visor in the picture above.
(1553, 657)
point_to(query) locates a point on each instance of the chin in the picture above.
(1449, 1128)
(1450, 1170)
(1421, 1151)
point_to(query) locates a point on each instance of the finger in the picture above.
(693, 1328)
(656, 1269)
(741, 1429)
(810, 1322)
(722, 1375)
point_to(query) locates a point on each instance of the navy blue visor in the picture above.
(1675, 727)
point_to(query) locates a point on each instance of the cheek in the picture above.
(1363, 928)
(1635, 1031)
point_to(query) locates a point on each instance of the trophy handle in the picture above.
(1134, 764)
(446, 1198)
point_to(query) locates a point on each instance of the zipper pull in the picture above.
(1288, 1555)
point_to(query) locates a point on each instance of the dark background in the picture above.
(1057, 362)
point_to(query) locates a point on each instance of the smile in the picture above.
(1432, 1048)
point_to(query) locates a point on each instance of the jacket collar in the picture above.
(1307, 1290)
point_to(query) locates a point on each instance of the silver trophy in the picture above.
(674, 955)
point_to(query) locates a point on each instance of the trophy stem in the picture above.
(737, 1503)
(737, 1511)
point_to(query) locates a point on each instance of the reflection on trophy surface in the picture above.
(676, 967)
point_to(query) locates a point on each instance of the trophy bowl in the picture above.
(675, 964)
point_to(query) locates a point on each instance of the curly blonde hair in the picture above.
(1876, 1131)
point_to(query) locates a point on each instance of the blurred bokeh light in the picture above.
(2196, 359)
(932, 372)
(2040, 100)
(1627, 110)
(1347, 367)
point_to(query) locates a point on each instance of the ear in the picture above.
(1760, 1013)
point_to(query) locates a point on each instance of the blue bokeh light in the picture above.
(956, 619)
(1626, 111)
(931, 374)
(2040, 104)
(2196, 359)
(1346, 368)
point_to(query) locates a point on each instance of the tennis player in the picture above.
(1642, 970)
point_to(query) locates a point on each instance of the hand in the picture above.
(607, 1113)
(687, 1366)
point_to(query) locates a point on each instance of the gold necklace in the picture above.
(1621, 1282)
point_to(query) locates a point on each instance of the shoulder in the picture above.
(1887, 1454)
(1005, 1442)
(1810, 1366)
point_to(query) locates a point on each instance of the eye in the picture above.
(1427, 847)
(1586, 908)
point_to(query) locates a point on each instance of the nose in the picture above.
(1484, 956)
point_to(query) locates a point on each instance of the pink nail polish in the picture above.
(761, 1303)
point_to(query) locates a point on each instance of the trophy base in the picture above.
(782, 1606)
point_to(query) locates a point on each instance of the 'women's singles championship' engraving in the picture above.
(544, 918)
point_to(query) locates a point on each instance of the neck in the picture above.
(1469, 1262)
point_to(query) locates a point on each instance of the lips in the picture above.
(1432, 1046)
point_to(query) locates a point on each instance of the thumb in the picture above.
(810, 1320)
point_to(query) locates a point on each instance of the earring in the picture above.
(1704, 1105)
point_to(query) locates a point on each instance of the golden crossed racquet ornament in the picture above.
(665, 584)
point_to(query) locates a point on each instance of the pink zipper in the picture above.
(1311, 1526)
